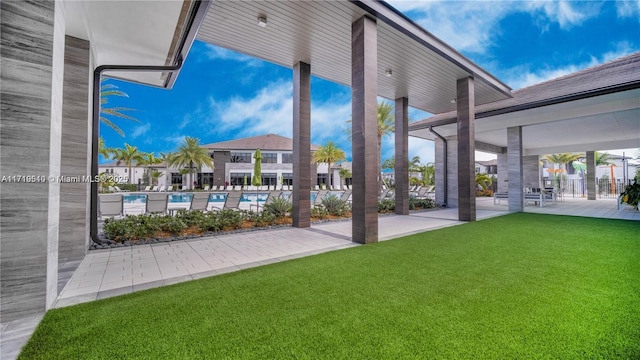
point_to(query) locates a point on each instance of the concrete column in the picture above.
(514, 157)
(301, 212)
(364, 129)
(441, 172)
(466, 150)
(32, 71)
(503, 174)
(402, 156)
(591, 175)
(220, 160)
(531, 171)
(74, 162)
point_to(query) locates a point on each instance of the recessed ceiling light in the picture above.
(453, 101)
(388, 72)
(262, 21)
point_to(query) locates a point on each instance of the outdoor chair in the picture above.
(157, 203)
(169, 188)
(272, 195)
(147, 188)
(117, 189)
(200, 201)
(232, 202)
(162, 188)
(155, 188)
(205, 188)
(383, 194)
(346, 195)
(110, 205)
(321, 195)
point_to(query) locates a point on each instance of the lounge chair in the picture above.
(155, 188)
(205, 188)
(157, 203)
(110, 205)
(147, 188)
(321, 195)
(232, 201)
(117, 189)
(162, 188)
(346, 195)
(200, 201)
(169, 188)
(272, 195)
(184, 188)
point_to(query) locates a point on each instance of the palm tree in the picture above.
(155, 175)
(562, 160)
(386, 125)
(149, 159)
(191, 155)
(483, 180)
(107, 90)
(602, 158)
(329, 153)
(428, 173)
(103, 149)
(128, 155)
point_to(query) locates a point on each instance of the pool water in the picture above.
(182, 198)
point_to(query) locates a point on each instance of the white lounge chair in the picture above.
(157, 203)
(110, 205)
(205, 188)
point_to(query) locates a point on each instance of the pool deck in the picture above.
(112, 272)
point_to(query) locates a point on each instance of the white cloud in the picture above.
(140, 130)
(473, 26)
(628, 8)
(213, 52)
(521, 76)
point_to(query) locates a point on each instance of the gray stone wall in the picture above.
(32, 50)
(452, 172)
(503, 173)
(531, 171)
(74, 197)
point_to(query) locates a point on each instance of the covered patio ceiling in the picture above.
(423, 68)
(594, 109)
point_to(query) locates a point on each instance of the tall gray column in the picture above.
(364, 129)
(441, 172)
(301, 212)
(74, 197)
(514, 157)
(402, 156)
(466, 150)
(591, 175)
(531, 171)
(32, 49)
(503, 174)
(220, 160)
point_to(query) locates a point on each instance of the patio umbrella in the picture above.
(257, 172)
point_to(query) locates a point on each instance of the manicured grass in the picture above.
(523, 286)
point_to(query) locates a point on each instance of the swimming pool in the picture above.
(182, 198)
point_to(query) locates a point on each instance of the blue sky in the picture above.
(222, 95)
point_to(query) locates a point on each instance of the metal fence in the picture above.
(577, 188)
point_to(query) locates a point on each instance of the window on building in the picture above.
(269, 158)
(323, 179)
(176, 178)
(269, 179)
(287, 158)
(205, 179)
(239, 178)
(238, 157)
(287, 179)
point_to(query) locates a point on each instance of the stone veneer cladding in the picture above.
(364, 129)
(591, 175)
(32, 51)
(301, 204)
(516, 181)
(402, 156)
(466, 150)
(74, 197)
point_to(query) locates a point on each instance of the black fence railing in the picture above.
(577, 188)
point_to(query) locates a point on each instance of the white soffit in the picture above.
(600, 123)
(126, 33)
(319, 33)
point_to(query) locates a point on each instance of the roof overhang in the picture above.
(140, 33)
(424, 69)
(604, 122)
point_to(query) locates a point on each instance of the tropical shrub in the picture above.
(631, 194)
(335, 206)
(386, 206)
(421, 203)
(279, 207)
(319, 212)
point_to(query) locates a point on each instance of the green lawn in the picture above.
(522, 286)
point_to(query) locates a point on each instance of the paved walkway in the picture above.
(106, 273)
